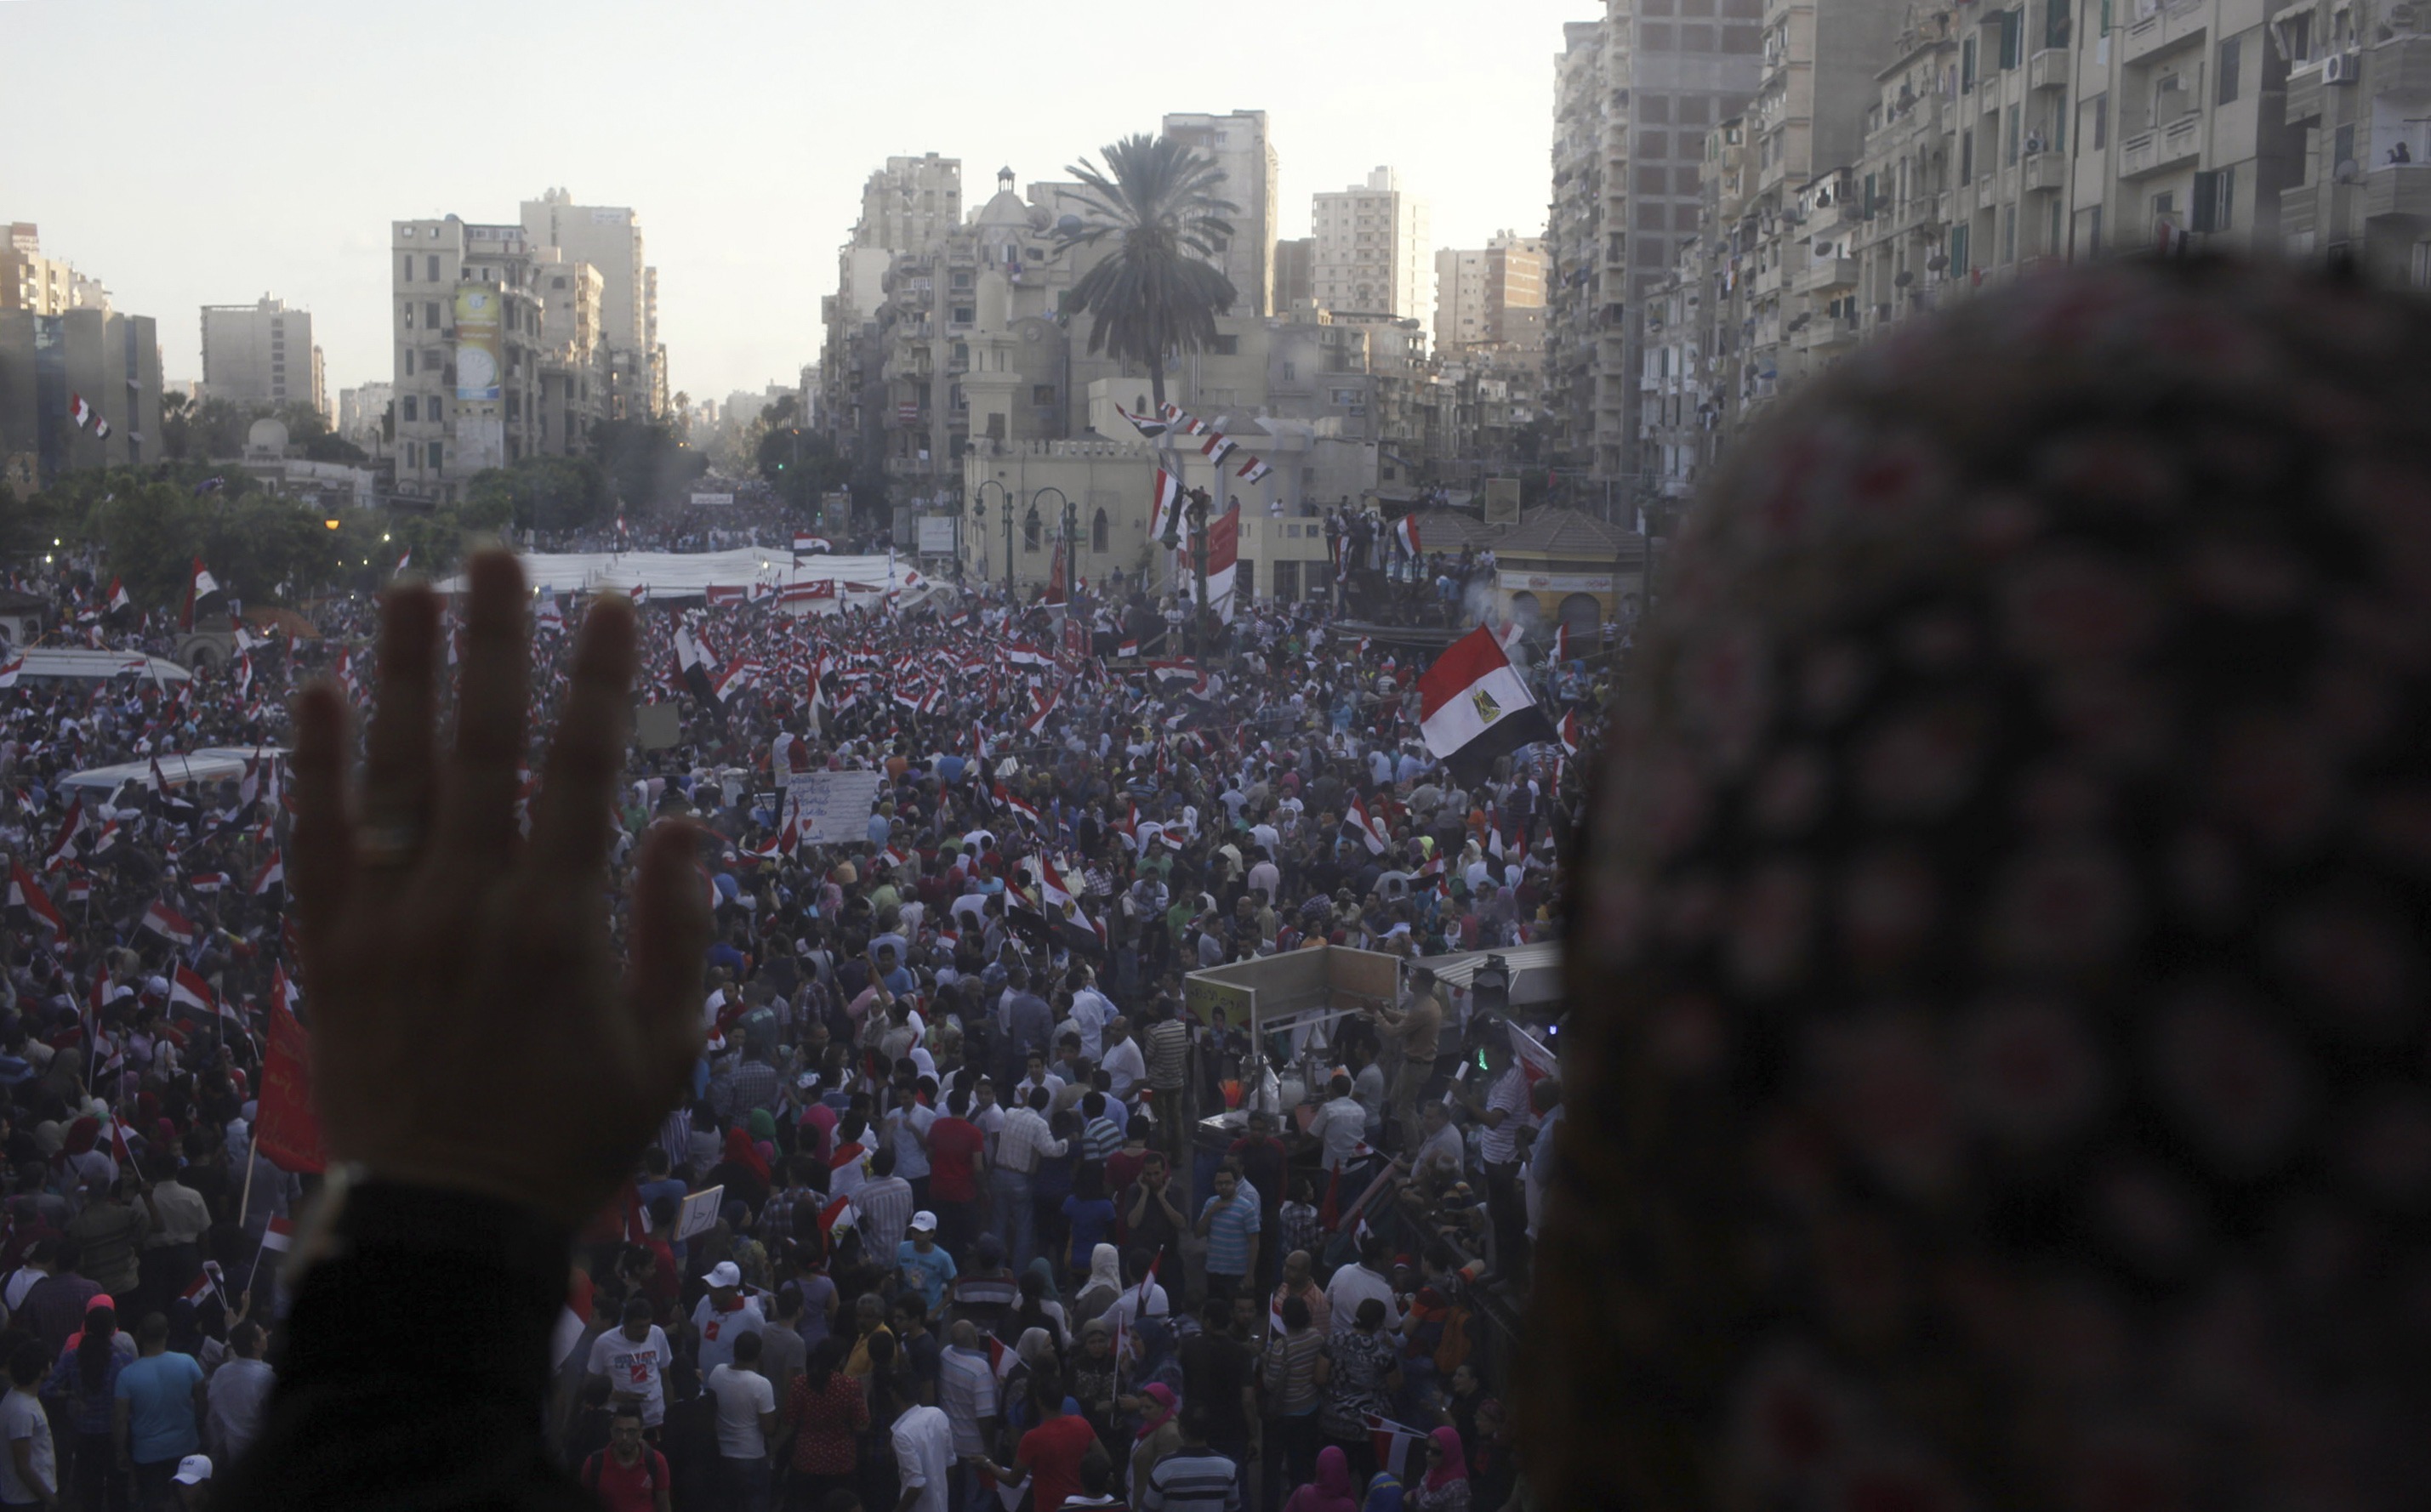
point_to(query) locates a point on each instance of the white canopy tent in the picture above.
(691, 574)
(213, 763)
(57, 661)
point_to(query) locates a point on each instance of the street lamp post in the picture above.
(1068, 511)
(978, 514)
(1029, 529)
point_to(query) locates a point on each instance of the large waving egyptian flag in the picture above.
(1474, 707)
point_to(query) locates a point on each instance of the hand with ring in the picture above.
(453, 969)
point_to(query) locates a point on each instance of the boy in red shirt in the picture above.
(627, 1475)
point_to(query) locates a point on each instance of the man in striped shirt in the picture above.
(882, 1209)
(1193, 1478)
(1024, 1140)
(1101, 1136)
(1229, 1222)
(967, 1388)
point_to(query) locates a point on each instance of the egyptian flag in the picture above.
(193, 992)
(1046, 706)
(11, 669)
(1165, 510)
(1569, 732)
(1405, 531)
(1561, 643)
(279, 1236)
(169, 923)
(1397, 1448)
(79, 411)
(1473, 707)
(208, 881)
(403, 561)
(1022, 654)
(1223, 562)
(62, 849)
(1024, 810)
(549, 616)
(692, 657)
(118, 599)
(1152, 429)
(200, 585)
(1057, 593)
(1219, 445)
(1535, 1061)
(273, 875)
(24, 892)
(805, 543)
(1368, 829)
(1254, 469)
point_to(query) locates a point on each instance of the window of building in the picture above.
(409, 362)
(435, 454)
(1226, 346)
(409, 314)
(2014, 119)
(1656, 36)
(1967, 66)
(964, 314)
(2093, 232)
(1958, 239)
(2101, 105)
(431, 270)
(558, 282)
(2013, 36)
(430, 314)
(2056, 17)
(413, 454)
(1030, 529)
(1247, 579)
(1042, 394)
(1100, 529)
(2228, 71)
(2008, 233)
(1965, 157)
(2342, 147)
(1291, 371)
(409, 268)
(2215, 205)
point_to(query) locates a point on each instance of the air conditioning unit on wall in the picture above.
(2341, 67)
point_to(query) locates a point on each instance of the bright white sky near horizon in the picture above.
(195, 152)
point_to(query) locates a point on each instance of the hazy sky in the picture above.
(193, 152)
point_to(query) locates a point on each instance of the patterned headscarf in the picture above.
(1999, 1073)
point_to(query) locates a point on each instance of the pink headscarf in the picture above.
(1454, 1466)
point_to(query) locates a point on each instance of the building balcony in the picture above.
(2397, 191)
(2161, 148)
(1827, 272)
(1765, 283)
(2160, 28)
(2400, 65)
(2304, 93)
(2300, 216)
(2043, 169)
(2047, 69)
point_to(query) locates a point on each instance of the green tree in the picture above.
(800, 464)
(538, 493)
(1155, 293)
(645, 462)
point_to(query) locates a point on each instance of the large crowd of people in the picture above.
(944, 1221)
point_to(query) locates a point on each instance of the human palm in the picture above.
(470, 1030)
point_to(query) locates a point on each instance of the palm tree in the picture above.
(1155, 293)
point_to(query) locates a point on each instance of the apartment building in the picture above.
(1479, 290)
(363, 415)
(465, 319)
(1239, 144)
(1634, 96)
(262, 354)
(1295, 273)
(39, 285)
(2359, 99)
(576, 380)
(905, 206)
(608, 237)
(111, 361)
(1374, 253)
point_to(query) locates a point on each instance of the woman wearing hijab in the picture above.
(764, 1138)
(1104, 1285)
(1039, 1306)
(1331, 1491)
(1092, 1379)
(1444, 1488)
(1159, 1433)
(2000, 1072)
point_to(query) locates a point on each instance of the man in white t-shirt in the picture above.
(1124, 1065)
(924, 1459)
(29, 1467)
(746, 1415)
(633, 1359)
(725, 1316)
(38, 1265)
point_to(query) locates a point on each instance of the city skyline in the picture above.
(743, 160)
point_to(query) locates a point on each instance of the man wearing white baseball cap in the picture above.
(725, 1313)
(924, 1262)
(194, 1473)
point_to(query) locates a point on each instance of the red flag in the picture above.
(288, 1129)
